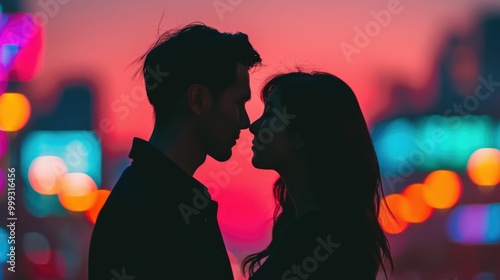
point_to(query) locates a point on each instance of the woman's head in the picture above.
(315, 117)
(313, 120)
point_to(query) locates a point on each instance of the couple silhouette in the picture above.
(328, 191)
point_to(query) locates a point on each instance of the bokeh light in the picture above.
(388, 82)
(442, 189)
(497, 136)
(485, 275)
(493, 230)
(15, 110)
(30, 52)
(391, 140)
(4, 142)
(390, 215)
(55, 269)
(431, 142)
(61, 264)
(80, 150)
(40, 205)
(93, 212)
(451, 147)
(4, 245)
(78, 192)
(468, 224)
(475, 224)
(418, 210)
(45, 173)
(36, 248)
(483, 167)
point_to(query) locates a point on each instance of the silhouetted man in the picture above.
(159, 222)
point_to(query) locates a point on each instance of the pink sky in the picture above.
(99, 39)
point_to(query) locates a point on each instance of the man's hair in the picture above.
(193, 54)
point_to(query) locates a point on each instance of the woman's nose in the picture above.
(254, 127)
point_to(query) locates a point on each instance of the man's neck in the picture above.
(181, 147)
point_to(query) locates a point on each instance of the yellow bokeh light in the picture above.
(78, 192)
(442, 189)
(418, 210)
(93, 212)
(45, 173)
(483, 167)
(15, 110)
(395, 204)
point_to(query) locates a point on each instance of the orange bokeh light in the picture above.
(78, 192)
(15, 110)
(418, 210)
(93, 212)
(397, 204)
(45, 173)
(442, 189)
(483, 167)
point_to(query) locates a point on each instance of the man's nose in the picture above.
(254, 127)
(244, 121)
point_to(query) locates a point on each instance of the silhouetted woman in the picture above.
(314, 135)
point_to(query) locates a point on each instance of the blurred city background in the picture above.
(426, 73)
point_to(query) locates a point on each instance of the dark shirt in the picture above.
(158, 223)
(314, 247)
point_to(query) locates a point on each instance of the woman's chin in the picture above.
(258, 163)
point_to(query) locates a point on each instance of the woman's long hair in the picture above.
(344, 168)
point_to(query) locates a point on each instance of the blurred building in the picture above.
(441, 165)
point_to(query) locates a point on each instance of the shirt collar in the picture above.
(157, 163)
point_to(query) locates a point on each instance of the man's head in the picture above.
(199, 75)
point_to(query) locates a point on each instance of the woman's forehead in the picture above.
(274, 98)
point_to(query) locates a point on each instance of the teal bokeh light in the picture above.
(433, 142)
(81, 152)
(393, 141)
(475, 224)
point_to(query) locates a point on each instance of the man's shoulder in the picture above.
(137, 196)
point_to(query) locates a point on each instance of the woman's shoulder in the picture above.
(318, 235)
(318, 219)
(321, 223)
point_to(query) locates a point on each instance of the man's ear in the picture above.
(199, 98)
